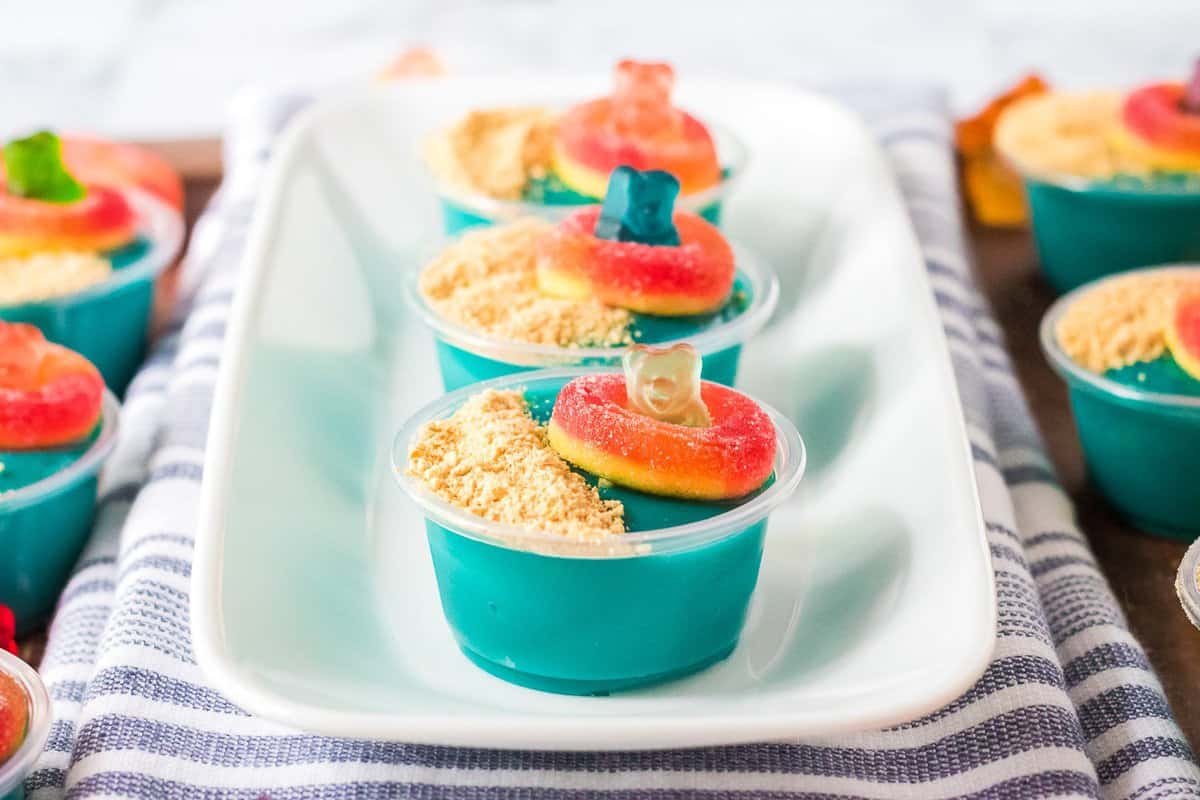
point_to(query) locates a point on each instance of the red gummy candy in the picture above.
(8, 630)
(1157, 115)
(14, 715)
(102, 220)
(593, 427)
(49, 395)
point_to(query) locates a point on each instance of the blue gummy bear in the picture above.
(638, 207)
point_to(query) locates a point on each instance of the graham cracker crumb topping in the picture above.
(1065, 134)
(46, 275)
(495, 151)
(1124, 320)
(491, 458)
(487, 282)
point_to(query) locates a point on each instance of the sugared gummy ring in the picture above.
(692, 278)
(102, 220)
(637, 127)
(1157, 131)
(1183, 334)
(98, 162)
(14, 715)
(593, 427)
(49, 395)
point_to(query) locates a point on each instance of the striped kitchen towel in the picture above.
(1069, 705)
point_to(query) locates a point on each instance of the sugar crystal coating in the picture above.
(594, 427)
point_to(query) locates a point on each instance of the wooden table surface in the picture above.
(1140, 568)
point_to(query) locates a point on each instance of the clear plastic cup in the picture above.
(559, 615)
(16, 768)
(466, 356)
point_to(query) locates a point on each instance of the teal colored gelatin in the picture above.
(47, 500)
(1085, 232)
(107, 324)
(461, 367)
(591, 622)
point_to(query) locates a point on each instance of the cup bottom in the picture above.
(590, 688)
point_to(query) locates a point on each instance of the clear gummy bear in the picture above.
(664, 383)
(641, 99)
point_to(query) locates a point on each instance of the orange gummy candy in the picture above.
(993, 189)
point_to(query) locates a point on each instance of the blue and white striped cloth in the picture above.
(1068, 707)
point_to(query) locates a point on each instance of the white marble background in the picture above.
(148, 68)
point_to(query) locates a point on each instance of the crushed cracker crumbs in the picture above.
(1124, 320)
(43, 276)
(1066, 134)
(495, 151)
(487, 282)
(491, 458)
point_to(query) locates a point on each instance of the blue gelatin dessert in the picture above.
(1129, 349)
(531, 294)
(501, 164)
(591, 531)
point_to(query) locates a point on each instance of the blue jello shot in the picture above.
(637, 223)
(16, 768)
(537, 609)
(47, 502)
(1139, 427)
(109, 323)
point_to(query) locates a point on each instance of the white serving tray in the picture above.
(313, 598)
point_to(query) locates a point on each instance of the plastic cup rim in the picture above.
(88, 463)
(764, 286)
(790, 462)
(1080, 184)
(731, 152)
(1070, 371)
(14, 770)
(159, 223)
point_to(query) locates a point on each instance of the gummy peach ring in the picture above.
(49, 395)
(593, 427)
(692, 278)
(102, 220)
(1155, 114)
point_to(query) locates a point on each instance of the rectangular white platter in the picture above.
(314, 600)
